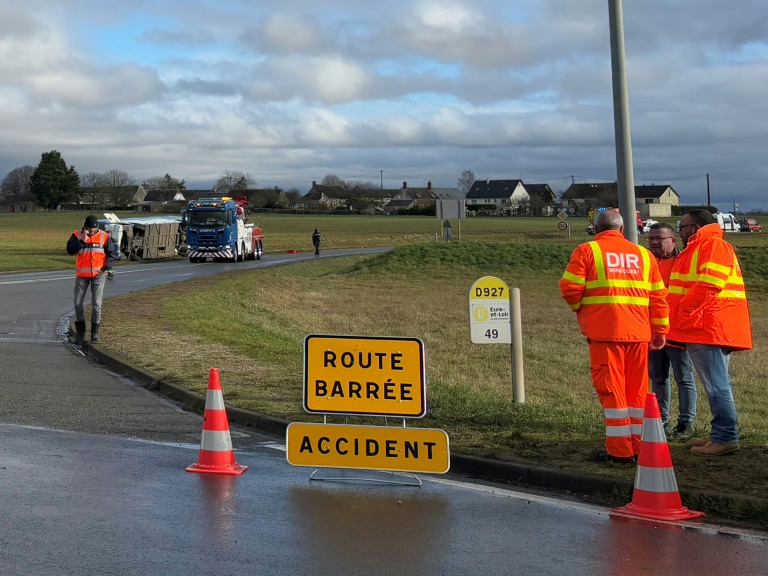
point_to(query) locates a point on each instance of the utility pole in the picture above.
(381, 174)
(709, 197)
(624, 168)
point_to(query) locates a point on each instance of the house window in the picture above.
(649, 200)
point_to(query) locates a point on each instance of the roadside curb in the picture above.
(474, 466)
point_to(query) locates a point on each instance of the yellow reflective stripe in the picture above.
(738, 280)
(573, 278)
(614, 300)
(92, 250)
(712, 280)
(639, 284)
(685, 277)
(657, 286)
(716, 267)
(738, 295)
(575, 306)
(660, 321)
(597, 254)
(693, 270)
(678, 290)
(646, 264)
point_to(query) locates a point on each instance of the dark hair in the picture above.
(701, 217)
(661, 226)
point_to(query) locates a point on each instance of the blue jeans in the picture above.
(659, 363)
(711, 363)
(97, 294)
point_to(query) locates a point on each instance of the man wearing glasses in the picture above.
(96, 252)
(709, 312)
(663, 245)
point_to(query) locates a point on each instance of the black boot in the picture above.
(78, 335)
(95, 332)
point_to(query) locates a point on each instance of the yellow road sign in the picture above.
(364, 375)
(368, 447)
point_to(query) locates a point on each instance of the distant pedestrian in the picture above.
(316, 241)
(662, 243)
(96, 252)
(709, 312)
(615, 288)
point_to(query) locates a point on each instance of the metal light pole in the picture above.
(624, 169)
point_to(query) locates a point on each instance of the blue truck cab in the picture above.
(216, 228)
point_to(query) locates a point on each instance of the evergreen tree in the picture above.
(53, 183)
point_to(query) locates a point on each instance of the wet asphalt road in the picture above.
(92, 481)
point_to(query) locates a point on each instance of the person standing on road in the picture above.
(616, 290)
(96, 252)
(709, 312)
(662, 244)
(316, 241)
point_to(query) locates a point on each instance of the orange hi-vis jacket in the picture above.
(708, 303)
(665, 266)
(616, 290)
(92, 257)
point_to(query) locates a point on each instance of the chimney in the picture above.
(429, 185)
(405, 185)
(314, 183)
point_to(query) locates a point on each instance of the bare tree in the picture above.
(358, 193)
(92, 180)
(293, 195)
(116, 177)
(465, 182)
(333, 180)
(166, 182)
(17, 181)
(233, 180)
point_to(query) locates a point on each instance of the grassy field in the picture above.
(251, 325)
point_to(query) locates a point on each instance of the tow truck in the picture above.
(218, 228)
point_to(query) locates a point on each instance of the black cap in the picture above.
(91, 222)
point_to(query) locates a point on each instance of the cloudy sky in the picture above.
(415, 90)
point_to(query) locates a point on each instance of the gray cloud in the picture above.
(291, 90)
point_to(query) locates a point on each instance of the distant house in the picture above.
(448, 193)
(163, 195)
(419, 197)
(198, 194)
(321, 196)
(652, 201)
(582, 197)
(500, 196)
(112, 197)
(656, 201)
(20, 203)
(543, 201)
(395, 206)
(162, 200)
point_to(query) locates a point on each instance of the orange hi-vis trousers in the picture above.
(620, 376)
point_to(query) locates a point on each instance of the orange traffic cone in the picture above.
(656, 495)
(216, 454)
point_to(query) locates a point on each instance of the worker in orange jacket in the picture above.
(710, 314)
(616, 290)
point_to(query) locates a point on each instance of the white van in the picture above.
(727, 222)
(647, 225)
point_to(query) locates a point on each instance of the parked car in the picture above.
(750, 225)
(647, 225)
